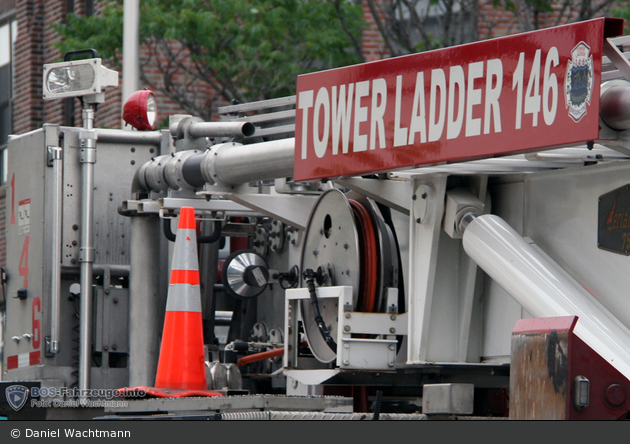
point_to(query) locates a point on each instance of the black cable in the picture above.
(168, 232)
(377, 405)
(291, 278)
(215, 236)
(3, 278)
(76, 327)
(310, 277)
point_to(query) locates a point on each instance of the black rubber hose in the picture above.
(377, 405)
(215, 236)
(386, 212)
(310, 277)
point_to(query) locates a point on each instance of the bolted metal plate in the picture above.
(332, 242)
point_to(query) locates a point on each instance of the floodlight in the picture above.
(140, 110)
(77, 78)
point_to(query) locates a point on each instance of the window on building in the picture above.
(434, 23)
(8, 32)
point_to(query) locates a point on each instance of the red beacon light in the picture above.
(140, 110)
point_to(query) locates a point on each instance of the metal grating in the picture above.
(319, 416)
(609, 70)
(274, 118)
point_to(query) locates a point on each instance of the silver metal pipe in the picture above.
(223, 316)
(138, 137)
(241, 164)
(543, 288)
(229, 163)
(465, 221)
(86, 252)
(221, 129)
(56, 154)
(145, 321)
(614, 104)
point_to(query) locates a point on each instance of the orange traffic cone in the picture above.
(181, 364)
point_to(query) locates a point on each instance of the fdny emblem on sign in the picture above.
(579, 81)
(16, 396)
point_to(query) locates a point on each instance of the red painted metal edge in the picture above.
(545, 325)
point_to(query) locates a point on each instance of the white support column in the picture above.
(427, 209)
(469, 291)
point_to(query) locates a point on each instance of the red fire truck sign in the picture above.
(513, 94)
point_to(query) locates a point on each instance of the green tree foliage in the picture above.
(623, 11)
(198, 51)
